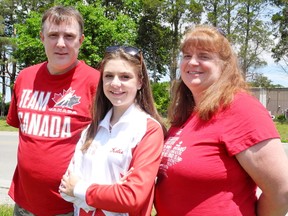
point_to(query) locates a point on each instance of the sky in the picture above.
(274, 72)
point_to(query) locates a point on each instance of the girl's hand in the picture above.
(124, 178)
(68, 183)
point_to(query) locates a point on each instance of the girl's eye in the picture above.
(186, 56)
(125, 77)
(108, 76)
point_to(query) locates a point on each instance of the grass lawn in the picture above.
(283, 131)
(5, 127)
(6, 210)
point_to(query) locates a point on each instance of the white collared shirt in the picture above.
(109, 155)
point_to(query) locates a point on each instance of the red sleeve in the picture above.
(12, 117)
(249, 123)
(132, 195)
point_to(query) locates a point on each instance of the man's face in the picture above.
(62, 43)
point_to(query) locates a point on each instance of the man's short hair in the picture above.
(60, 14)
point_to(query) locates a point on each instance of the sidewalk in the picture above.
(4, 198)
(8, 149)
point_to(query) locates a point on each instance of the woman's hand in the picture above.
(68, 183)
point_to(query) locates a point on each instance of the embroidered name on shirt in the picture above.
(116, 150)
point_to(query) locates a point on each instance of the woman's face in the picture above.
(120, 83)
(199, 69)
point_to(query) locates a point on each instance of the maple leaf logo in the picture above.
(67, 99)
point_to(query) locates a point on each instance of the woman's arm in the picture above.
(267, 164)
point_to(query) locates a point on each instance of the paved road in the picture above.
(8, 149)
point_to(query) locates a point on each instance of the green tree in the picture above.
(244, 27)
(280, 21)
(253, 35)
(259, 80)
(161, 96)
(6, 46)
(13, 13)
(29, 50)
(179, 14)
(154, 39)
(100, 32)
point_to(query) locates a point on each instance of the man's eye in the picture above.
(53, 35)
(69, 36)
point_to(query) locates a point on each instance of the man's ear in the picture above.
(41, 36)
(82, 39)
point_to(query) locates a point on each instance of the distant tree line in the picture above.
(155, 26)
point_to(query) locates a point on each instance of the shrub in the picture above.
(161, 96)
(281, 118)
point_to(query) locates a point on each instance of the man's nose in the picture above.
(61, 42)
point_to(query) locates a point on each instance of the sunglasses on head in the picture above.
(127, 49)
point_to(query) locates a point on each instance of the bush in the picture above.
(6, 110)
(161, 94)
(281, 118)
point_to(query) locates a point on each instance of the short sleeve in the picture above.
(246, 122)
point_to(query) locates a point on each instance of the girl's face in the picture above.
(200, 69)
(120, 83)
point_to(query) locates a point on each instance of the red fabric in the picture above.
(51, 111)
(136, 195)
(199, 174)
(84, 213)
(98, 212)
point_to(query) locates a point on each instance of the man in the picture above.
(51, 106)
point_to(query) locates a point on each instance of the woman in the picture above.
(222, 143)
(125, 134)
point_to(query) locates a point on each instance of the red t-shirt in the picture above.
(199, 174)
(50, 112)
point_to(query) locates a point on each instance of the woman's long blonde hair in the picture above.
(218, 95)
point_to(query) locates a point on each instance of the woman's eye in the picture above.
(204, 56)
